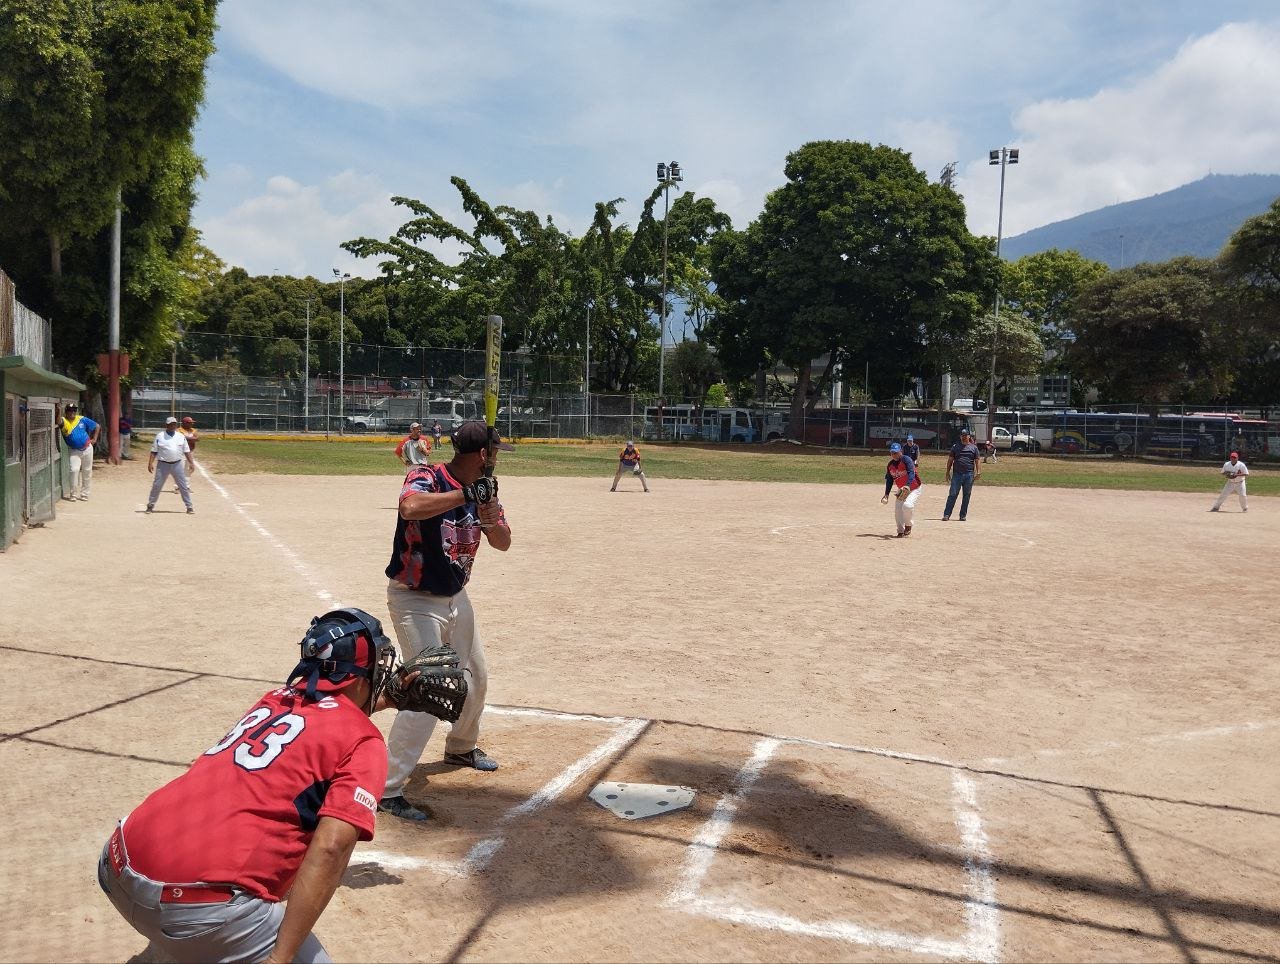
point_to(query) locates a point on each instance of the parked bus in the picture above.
(1208, 435)
(729, 424)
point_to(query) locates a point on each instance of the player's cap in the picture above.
(911, 438)
(629, 442)
(170, 421)
(413, 425)
(895, 447)
(188, 420)
(70, 407)
(476, 437)
(1235, 455)
(965, 431)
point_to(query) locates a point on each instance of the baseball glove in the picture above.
(430, 683)
(902, 493)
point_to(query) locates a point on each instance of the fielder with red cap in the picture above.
(1236, 473)
(274, 808)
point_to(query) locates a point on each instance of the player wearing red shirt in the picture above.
(273, 809)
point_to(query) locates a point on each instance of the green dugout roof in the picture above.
(21, 369)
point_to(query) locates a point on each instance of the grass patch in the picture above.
(735, 463)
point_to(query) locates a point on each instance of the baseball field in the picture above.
(1047, 733)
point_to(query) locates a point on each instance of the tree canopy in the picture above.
(857, 257)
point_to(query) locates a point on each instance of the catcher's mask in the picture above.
(340, 647)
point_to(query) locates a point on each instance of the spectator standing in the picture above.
(436, 430)
(962, 472)
(169, 451)
(80, 433)
(126, 436)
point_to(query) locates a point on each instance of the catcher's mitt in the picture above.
(902, 493)
(430, 683)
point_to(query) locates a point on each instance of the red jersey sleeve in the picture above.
(357, 786)
(420, 478)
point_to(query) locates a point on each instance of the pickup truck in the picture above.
(1005, 441)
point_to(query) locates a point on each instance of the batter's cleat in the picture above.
(477, 759)
(151, 507)
(398, 806)
(906, 532)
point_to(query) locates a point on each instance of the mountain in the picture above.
(1195, 219)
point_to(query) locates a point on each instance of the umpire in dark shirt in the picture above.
(962, 471)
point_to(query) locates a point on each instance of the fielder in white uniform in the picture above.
(1236, 473)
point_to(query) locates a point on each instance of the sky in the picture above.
(318, 112)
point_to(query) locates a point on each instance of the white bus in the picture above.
(728, 424)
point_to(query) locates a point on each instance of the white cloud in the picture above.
(293, 228)
(1213, 108)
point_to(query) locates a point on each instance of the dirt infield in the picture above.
(1047, 733)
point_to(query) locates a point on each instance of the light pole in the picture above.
(1004, 156)
(306, 373)
(342, 277)
(586, 385)
(668, 174)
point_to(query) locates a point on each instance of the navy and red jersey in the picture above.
(436, 555)
(245, 812)
(899, 473)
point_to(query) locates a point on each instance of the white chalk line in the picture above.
(298, 565)
(779, 530)
(1010, 535)
(1110, 746)
(982, 939)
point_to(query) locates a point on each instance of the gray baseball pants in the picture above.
(179, 472)
(243, 928)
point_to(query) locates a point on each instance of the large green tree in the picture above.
(1044, 288)
(1250, 264)
(1155, 333)
(856, 258)
(98, 99)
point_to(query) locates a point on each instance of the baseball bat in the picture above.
(492, 367)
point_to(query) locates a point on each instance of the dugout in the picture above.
(32, 481)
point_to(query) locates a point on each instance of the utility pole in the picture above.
(668, 174)
(342, 277)
(1004, 156)
(306, 373)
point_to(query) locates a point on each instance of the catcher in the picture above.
(202, 867)
(901, 479)
(629, 461)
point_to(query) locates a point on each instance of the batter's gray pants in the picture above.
(241, 929)
(179, 472)
(422, 620)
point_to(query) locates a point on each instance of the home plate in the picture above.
(633, 801)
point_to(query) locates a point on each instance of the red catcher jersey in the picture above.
(246, 810)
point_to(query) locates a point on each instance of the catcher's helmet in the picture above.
(340, 647)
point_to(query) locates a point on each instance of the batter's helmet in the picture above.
(340, 647)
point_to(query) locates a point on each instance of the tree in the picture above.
(1154, 333)
(1250, 264)
(1019, 350)
(99, 98)
(857, 257)
(1044, 288)
(692, 368)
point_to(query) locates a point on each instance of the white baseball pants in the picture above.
(81, 464)
(422, 620)
(904, 510)
(1236, 485)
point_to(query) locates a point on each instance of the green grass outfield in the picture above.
(748, 464)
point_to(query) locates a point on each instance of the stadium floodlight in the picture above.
(1004, 156)
(342, 277)
(668, 174)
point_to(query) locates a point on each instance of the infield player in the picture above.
(413, 448)
(1236, 473)
(439, 529)
(274, 808)
(901, 479)
(629, 461)
(168, 453)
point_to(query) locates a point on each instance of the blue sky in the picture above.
(317, 112)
